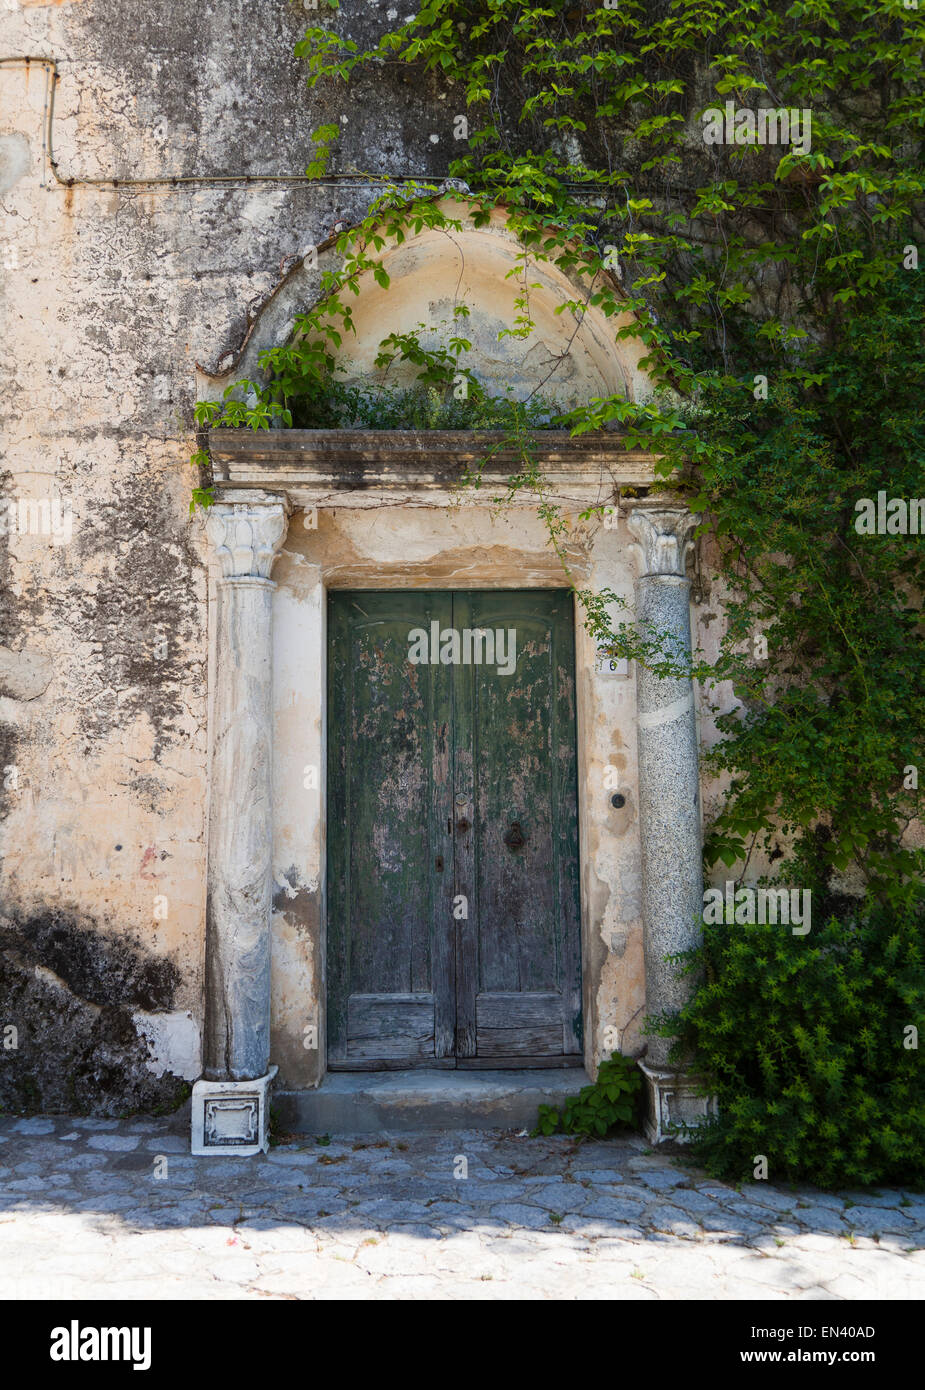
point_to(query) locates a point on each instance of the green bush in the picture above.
(809, 1045)
(606, 1104)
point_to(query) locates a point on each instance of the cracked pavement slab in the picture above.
(104, 1209)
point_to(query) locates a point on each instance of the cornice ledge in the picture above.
(355, 460)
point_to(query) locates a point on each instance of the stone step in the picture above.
(420, 1100)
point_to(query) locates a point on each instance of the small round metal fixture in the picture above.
(514, 839)
(618, 800)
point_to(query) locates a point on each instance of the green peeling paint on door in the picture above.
(453, 915)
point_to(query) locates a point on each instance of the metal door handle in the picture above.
(514, 839)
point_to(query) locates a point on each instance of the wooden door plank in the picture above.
(518, 948)
(530, 1041)
(440, 866)
(565, 799)
(518, 1010)
(464, 819)
(390, 1025)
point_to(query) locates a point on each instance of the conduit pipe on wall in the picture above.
(50, 66)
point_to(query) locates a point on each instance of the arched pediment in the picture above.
(569, 355)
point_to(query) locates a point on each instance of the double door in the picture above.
(452, 899)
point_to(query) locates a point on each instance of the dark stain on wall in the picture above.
(141, 618)
(69, 990)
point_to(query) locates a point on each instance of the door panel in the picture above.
(389, 968)
(519, 731)
(390, 1026)
(511, 1025)
(453, 920)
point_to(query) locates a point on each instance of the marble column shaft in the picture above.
(246, 530)
(669, 782)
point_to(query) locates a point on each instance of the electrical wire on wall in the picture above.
(52, 77)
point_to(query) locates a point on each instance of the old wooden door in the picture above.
(453, 918)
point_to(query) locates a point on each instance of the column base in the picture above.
(672, 1101)
(231, 1117)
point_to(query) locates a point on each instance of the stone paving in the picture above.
(119, 1209)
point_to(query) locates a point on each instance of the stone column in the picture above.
(246, 529)
(669, 802)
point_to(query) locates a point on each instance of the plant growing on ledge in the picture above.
(302, 388)
(606, 1104)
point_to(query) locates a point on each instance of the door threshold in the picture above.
(422, 1100)
(461, 1064)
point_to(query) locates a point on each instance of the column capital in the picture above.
(246, 529)
(664, 538)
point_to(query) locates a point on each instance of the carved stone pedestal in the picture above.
(231, 1117)
(672, 1101)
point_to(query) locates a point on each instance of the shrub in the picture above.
(809, 1044)
(334, 405)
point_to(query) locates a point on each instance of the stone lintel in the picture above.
(315, 466)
